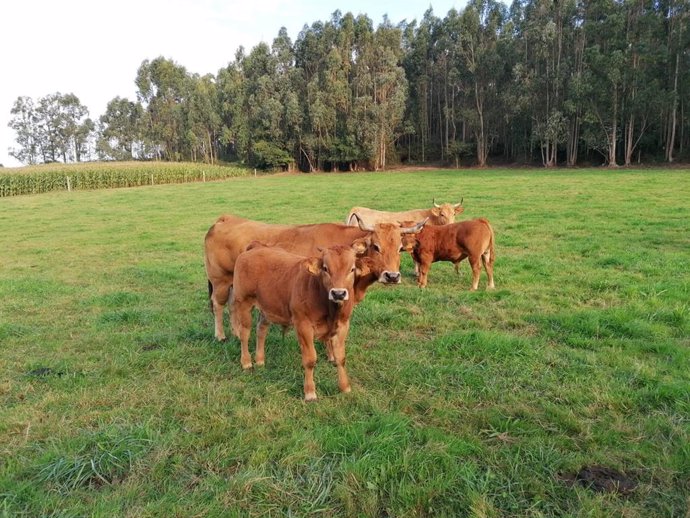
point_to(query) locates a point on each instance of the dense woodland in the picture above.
(561, 82)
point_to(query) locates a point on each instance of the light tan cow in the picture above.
(437, 215)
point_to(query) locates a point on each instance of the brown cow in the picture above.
(437, 215)
(315, 295)
(230, 235)
(473, 239)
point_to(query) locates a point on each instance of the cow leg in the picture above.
(488, 262)
(416, 266)
(219, 297)
(339, 354)
(305, 336)
(242, 327)
(262, 326)
(476, 271)
(423, 272)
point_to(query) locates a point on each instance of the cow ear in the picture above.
(313, 265)
(360, 245)
(458, 210)
(362, 267)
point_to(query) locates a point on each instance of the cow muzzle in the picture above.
(338, 295)
(390, 278)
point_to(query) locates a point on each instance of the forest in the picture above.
(556, 83)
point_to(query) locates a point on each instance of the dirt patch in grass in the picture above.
(601, 480)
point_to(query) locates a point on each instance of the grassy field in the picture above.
(116, 401)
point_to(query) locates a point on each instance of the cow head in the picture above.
(336, 269)
(384, 244)
(409, 240)
(445, 213)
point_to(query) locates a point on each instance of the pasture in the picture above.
(115, 400)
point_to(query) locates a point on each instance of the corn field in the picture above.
(63, 177)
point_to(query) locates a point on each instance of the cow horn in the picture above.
(459, 204)
(362, 225)
(415, 229)
(435, 204)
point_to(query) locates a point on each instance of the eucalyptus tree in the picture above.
(286, 90)
(419, 42)
(643, 94)
(605, 67)
(62, 130)
(120, 129)
(263, 109)
(481, 32)
(677, 22)
(379, 89)
(24, 122)
(234, 138)
(202, 119)
(163, 91)
(543, 39)
(317, 61)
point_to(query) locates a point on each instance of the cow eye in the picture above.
(353, 269)
(325, 268)
(402, 249)
(377, 248)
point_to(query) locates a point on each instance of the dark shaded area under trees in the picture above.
(552, 82)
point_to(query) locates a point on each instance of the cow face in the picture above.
(445, 213)
(385, 245)
(409, 240)
(336, 269)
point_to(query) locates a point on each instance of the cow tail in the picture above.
(210, 294)
(492, 254)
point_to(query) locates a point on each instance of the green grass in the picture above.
(116, 401)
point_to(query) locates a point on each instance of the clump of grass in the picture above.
(97, 459)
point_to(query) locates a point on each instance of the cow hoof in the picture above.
(260, 364)
(221, 338)
(346, 389)
(247, 366)
(308, 398)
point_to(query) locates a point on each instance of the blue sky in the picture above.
(93, 49)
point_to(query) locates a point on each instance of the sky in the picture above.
(93, 48)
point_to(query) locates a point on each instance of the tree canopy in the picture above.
(567, 82)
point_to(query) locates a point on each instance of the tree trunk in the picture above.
(671, 138)
(614, 129)
(482, 152)
(629, 134)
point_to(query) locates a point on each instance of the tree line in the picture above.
(559, 82)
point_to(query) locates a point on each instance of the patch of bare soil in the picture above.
(600, 479)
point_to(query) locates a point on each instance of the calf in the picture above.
(314, 295)
(473, 239)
